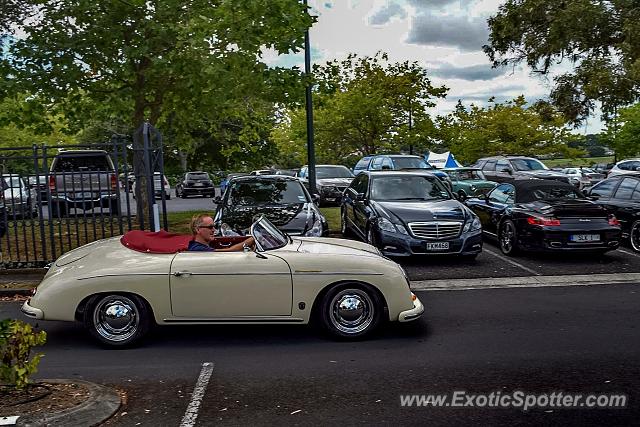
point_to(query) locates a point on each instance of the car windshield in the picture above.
(410, 163)
(468, 174)
(528, 165)
(266, 192)
(549, 193)
(333, 172)
(200, 176)
(267, 235)
(407, 188)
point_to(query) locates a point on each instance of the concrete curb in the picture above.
(102, 403)
(13, 292)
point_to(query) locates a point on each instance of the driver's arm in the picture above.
(240, 246)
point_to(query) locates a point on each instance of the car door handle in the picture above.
(182, 273)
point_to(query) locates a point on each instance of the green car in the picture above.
(469, 182)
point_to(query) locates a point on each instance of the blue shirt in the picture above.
(197, 246)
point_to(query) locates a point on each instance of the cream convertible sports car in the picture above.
(120, 287)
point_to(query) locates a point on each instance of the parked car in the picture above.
(468, 182)
(159, 187)
(126, 182)
(195, 183)
(620, 195)
(18, 199)
(3, 210)
(602, 168)
(288, 172)
(582, 178)
(346, 286)
(623, 167)
(545, 215)
(406, 213)
(281, 199)
(397, 162)
(331, 181)
(225, 182)
(83, 179)
(263, 172)
(40, 186)
(509, 168)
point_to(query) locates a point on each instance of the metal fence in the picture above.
(56, 198)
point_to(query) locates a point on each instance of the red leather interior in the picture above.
(162, 242)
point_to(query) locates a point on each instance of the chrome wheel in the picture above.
(634, 236)
(508, 238)
(352, 311)
(116, 319)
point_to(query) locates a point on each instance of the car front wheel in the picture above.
(634, 235)
(351, 311)
(117, 321)
(508, 238)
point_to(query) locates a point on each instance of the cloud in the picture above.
(384, 15)
(462, 32)
(473, 72)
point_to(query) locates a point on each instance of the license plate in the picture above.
(439, 246)
(578, 238)
(198, 184)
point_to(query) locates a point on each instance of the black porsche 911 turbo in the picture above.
(406, 213)
(545, 215)
(282, 199)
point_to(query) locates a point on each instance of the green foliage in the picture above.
(362, 105)
(17, 338)
(626, 142)
(600, 38)
(509, 128)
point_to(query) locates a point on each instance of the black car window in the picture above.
(266, 192)
(470, 174)
(605, 188)
(198, 176)
(625, 166)
(376, 165)
(362, 186)
(528, 165)
(333, 172)
(479, 164)
(502, 165)
(410, 163)
(407, 188)
(626, 189)
(504, 193)
(81, 163)
(490, 165)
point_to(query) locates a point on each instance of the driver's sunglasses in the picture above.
(210, 227)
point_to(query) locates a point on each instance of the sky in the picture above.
(444, 36)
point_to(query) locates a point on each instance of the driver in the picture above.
(203, 231)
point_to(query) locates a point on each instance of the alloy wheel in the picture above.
(507, 238)
(634, 235)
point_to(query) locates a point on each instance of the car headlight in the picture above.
(472, 225)
(401, 229)
(386, 225)
(316, 229)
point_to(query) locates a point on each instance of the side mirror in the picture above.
(217, 200)
(593, 196)
(315, 198)
(359, 197)
(462, 196)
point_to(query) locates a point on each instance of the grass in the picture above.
(581, 161)
(333, 218)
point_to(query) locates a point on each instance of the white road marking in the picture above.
(628, 253)
(510, 261)
(190, 416)
(525, 282)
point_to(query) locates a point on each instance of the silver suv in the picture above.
(624, 167)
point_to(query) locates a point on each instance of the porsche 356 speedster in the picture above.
(120, 287)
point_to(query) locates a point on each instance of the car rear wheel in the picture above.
(508, 238)
(462, 196)
(351, 311)
(117, 321)
(634, 235)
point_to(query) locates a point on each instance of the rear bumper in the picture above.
(414, 313)
(198, 190)
(548, 240)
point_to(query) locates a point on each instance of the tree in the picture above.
(599, 37)
(626, 142)
(363, 105)
(508, 128)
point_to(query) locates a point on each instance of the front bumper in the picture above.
(34, 313)
(414, 313)
(396, 244)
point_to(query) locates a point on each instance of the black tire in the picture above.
(117, 321)
(351, 311)
(344, 225)
(634, 235)
(508, 238)
(462, 196)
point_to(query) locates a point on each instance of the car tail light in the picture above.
(52, 183)
(613, 220)
(114, 182)
(533, 220)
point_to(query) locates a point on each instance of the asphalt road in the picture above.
(540, 340)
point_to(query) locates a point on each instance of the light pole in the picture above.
(311, 152)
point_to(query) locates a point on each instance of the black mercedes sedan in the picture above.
(545, 215)
(406, 213)
(282, 199)
(620, 195)
(195, 183)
